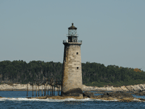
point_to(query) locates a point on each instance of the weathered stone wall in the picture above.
(72, 69)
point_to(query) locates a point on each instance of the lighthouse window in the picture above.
(77, 67)
(77, 53)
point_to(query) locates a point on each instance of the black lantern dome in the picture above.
(72, 27)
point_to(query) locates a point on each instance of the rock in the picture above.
(126, 99)
(116, 95)
(88, 94)
(136, 87)
(141, 86)
(119, 96)
(140, 93)
(129, 88)
(141, 99)
(124, 88)
(73, 92)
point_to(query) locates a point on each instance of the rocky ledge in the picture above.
(118, 96)
(110, 96)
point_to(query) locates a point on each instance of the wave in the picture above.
(50, 100)
(57, 100)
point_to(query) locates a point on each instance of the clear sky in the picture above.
(112, 31)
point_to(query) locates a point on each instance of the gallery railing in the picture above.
(66, 41)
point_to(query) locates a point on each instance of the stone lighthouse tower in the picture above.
(72, 69)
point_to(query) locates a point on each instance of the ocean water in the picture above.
(18, 100)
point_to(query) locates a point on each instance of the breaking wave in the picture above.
(52, 100)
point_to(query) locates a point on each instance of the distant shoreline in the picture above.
(23, 87)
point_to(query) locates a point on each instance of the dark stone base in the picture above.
(73, 92)
(88, 94)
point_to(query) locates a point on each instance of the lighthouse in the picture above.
(72, 68)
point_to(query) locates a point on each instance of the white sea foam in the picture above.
(47, 100)
(57, 100)
(52, 100)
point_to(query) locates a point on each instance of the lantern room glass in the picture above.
(72, 32)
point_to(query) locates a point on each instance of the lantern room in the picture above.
(72, 33)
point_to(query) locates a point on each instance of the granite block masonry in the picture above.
(72, 69)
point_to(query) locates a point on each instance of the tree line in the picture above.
(96, 74)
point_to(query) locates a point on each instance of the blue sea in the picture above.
(18, 100)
